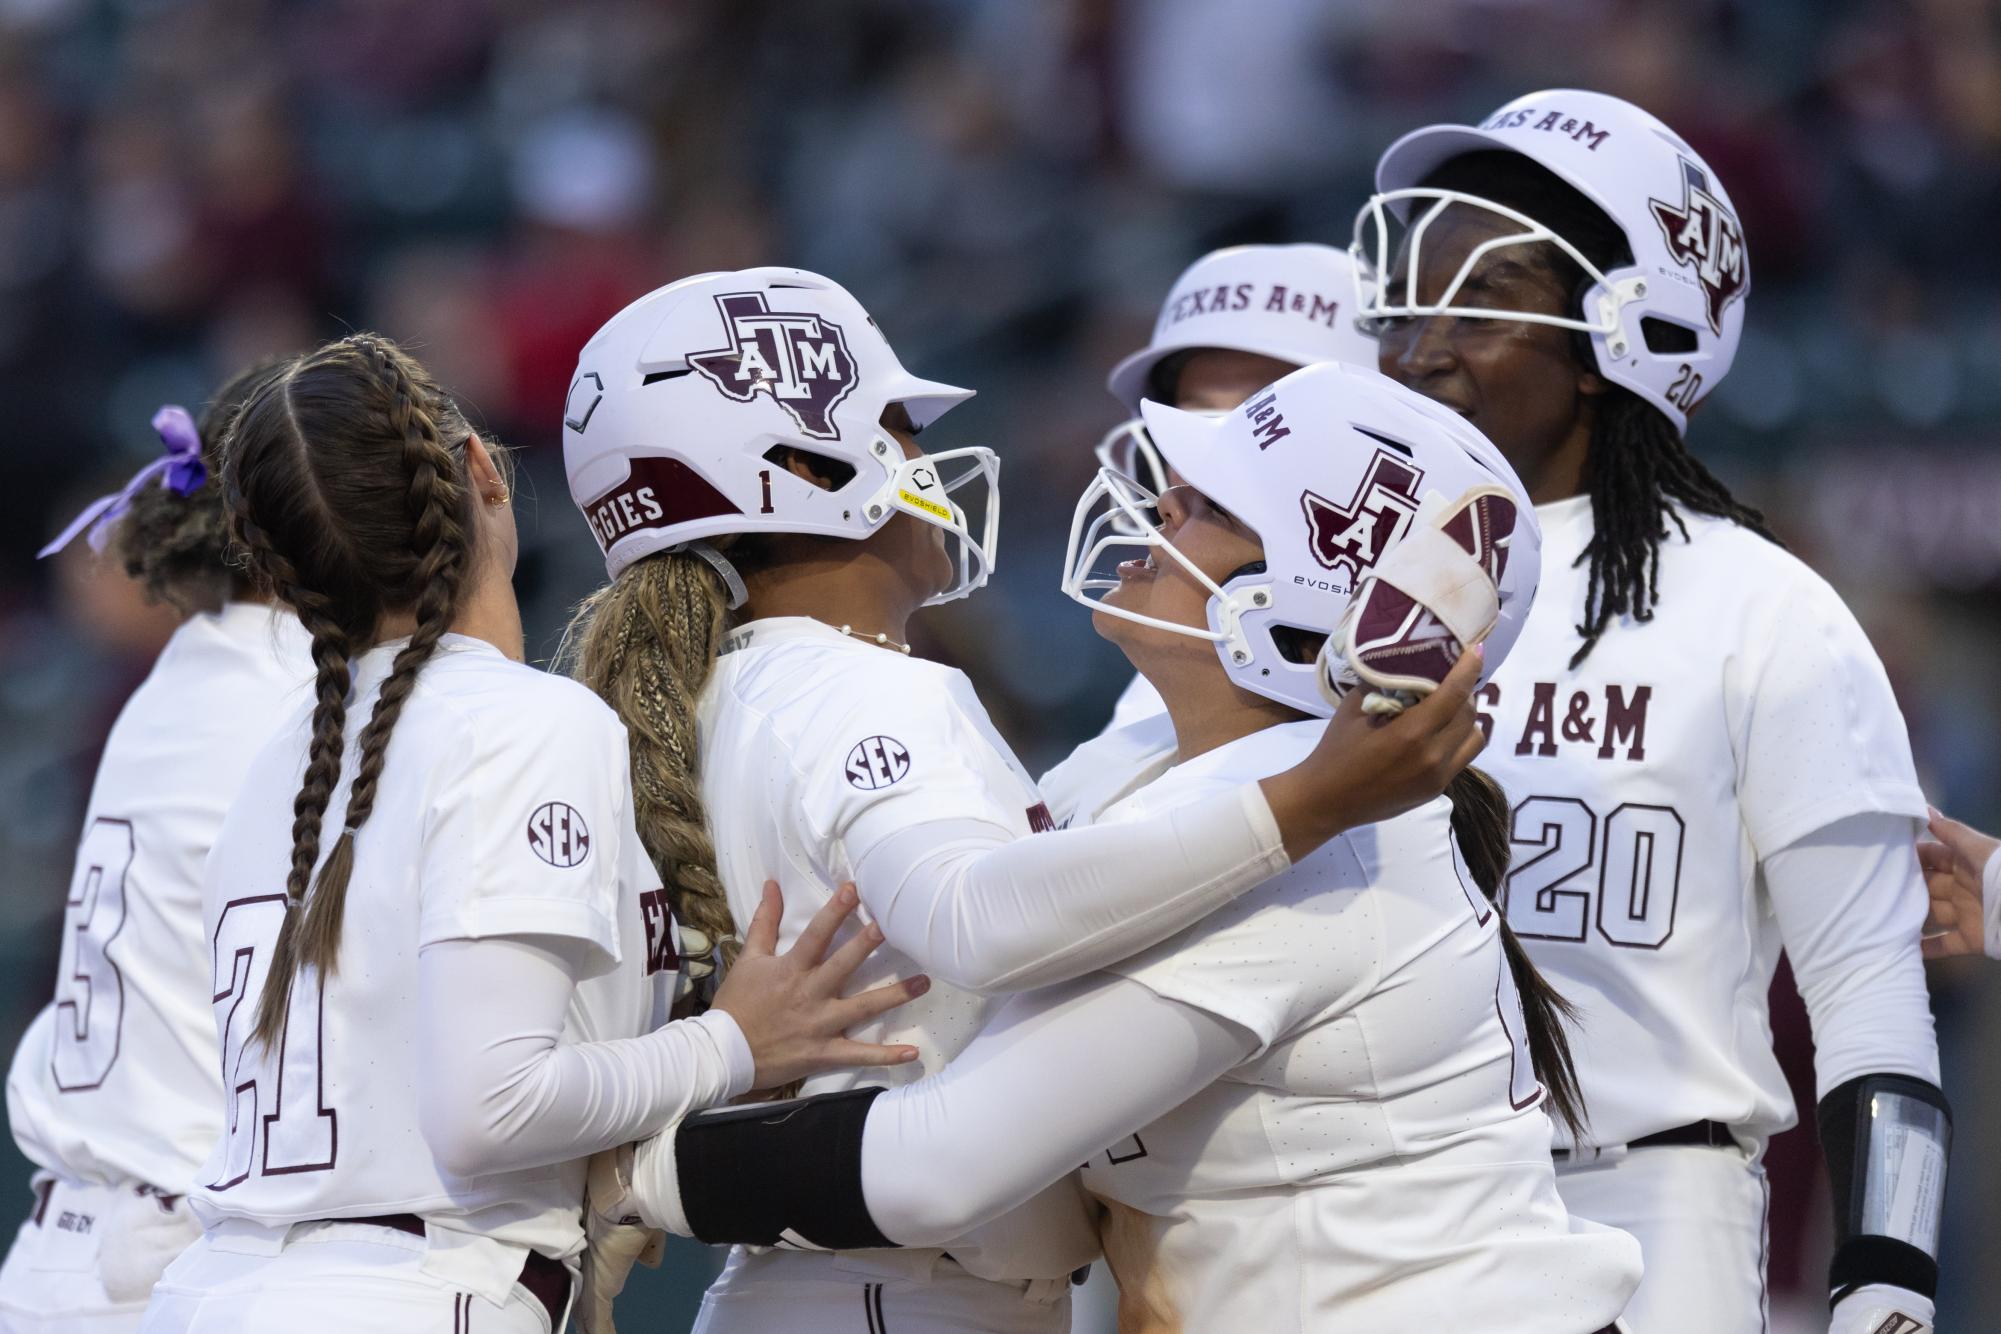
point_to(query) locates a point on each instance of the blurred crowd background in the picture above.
(1010, 186)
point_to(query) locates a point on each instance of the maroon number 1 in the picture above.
(764, 476)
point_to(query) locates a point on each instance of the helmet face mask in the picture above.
(1116, 514)
(1327, 497)
(1684, 283)
(1391, 232)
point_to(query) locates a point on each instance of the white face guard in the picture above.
(1129, 451)
(927, 488)
(1101, 538)
(1383, 238)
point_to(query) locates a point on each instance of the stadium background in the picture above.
(1009, 185)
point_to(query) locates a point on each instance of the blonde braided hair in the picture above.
(646, 643)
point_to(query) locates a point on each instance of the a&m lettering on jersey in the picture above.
(661, 955)
(1610, 722)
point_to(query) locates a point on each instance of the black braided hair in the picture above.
(1638, 470)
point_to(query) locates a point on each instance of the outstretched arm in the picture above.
(1060, 1075)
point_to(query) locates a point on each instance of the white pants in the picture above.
(801, 1292)
(85, 1257)
(329, 1278)
(1699, 1216)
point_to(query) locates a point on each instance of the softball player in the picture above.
(436, 948)
(1234, 321)
(1262, 1098)
(1704, 758)
(744, 442)
(114, 1092)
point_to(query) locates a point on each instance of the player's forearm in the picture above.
(501, 1091)
(987, 912)
(1851, 902)
(1057, 1077)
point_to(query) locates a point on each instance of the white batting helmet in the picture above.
(682, 399)
(1293, 303)
(1688, 266)
(1329, 467)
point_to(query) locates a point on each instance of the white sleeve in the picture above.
(1990, 893)
(1851, 904)
(525, 837)
(1815, 727)
(1057, 1077)
(500, 1090)
(985, 911)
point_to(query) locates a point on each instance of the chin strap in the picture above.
(731, 579)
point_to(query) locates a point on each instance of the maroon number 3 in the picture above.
(90, 991)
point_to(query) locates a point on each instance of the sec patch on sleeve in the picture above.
(558, 834)
(877, 762)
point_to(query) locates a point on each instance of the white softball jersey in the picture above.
(117, 1078)
(807, 734)
(1646, 787)
(503, 811)
(1381, 1159)
(815, 747)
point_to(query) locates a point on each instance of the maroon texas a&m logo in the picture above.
(801, 360)
(1704, 236)
(1354, 535)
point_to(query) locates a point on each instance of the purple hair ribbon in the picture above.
(180, 469)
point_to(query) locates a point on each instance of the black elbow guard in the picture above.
(1886, 1138)
(779, 1173)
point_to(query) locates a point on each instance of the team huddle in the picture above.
(1396, 958)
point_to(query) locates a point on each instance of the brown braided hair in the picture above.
(646, 643)
(1480, 827)
(176, 547)
(347, 486)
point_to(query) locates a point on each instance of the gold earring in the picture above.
(499, 500)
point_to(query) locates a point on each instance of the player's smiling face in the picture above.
(1521, 384)
(1215, 542)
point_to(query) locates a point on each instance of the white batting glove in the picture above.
(1431, 597)
(614, 1239)
(144, 1234)
(1880, 1309)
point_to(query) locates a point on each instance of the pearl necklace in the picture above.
(879, 639)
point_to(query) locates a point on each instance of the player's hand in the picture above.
(615, 1239)
(1953, 869)
(790, 1005)
(1368, 767)
(1881, 1309)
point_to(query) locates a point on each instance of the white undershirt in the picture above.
(987, 911)
(1851, 903)
(501, 1090)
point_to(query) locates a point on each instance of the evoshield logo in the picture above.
(801, 360)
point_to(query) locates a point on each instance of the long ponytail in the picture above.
(647, 643)
(1480, 824)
